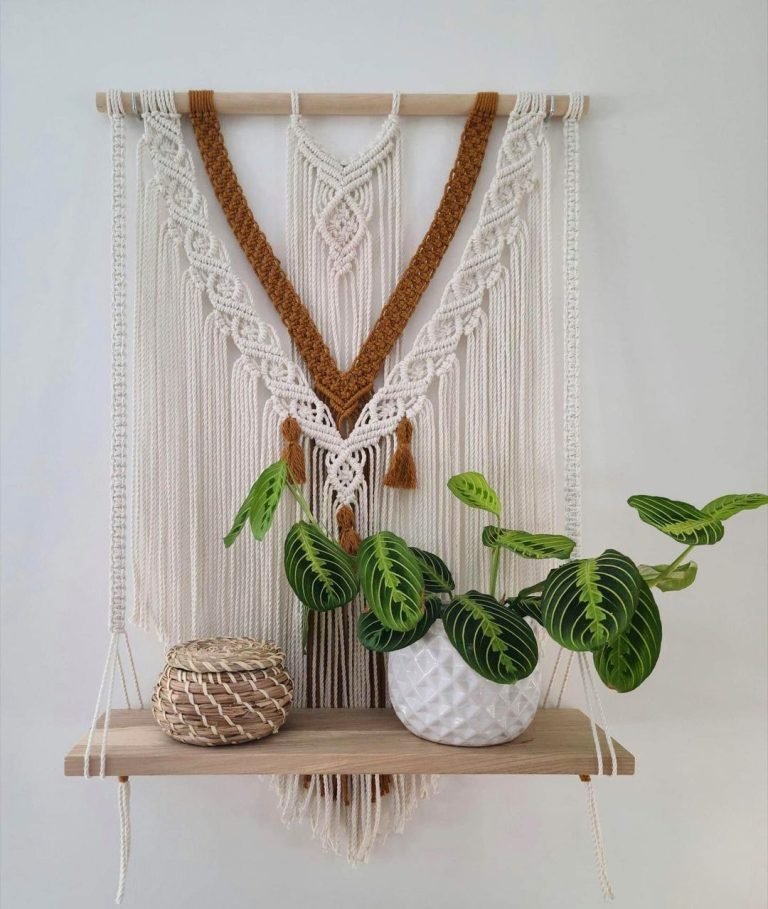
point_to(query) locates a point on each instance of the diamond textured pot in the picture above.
(438, 697)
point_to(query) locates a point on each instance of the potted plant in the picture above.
(464, 666)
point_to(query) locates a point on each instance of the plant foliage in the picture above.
(392, 581)
(473, 489)
(589, 602)
(261, 503)
(320, 573)
(375, 636)
(630, 658)
(437, 577)
(529, 545)
(493, 639)
(679, 520)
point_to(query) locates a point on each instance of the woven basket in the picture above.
(222, 691)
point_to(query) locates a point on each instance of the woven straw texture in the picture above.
(222, 691)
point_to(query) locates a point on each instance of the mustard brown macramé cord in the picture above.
(344, 392)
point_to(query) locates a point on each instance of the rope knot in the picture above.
(349, 539)
(293, 454)
(401, 473)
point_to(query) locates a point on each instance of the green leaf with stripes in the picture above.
(529, 545)
(392, 582)
(375, 636)
(320, 572)
(473, 489)
(493, 639)
(727, 506)
(627, 661)
(679, 578)
(240, 519)
(437, 576)
(527, 607)
(587, 603)
(261, 503)
(678, 520)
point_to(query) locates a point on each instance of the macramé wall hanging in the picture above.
(370, 429)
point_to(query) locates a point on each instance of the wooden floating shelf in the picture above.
(347, 741)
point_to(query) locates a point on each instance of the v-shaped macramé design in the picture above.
(345, 392)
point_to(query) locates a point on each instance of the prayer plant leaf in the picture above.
(587, 603)
(375, 636)
(437, 576)
(681, 577)
(261, 503)
(472, 489)
(678, 520)
(529, 545)
(392, 581)
(627, 661)
(320, 572)
(527, 607)
(494, 640)
(727, 506)
(240, 519)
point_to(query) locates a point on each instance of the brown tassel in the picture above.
(401, 473)
(293, 454)
(348, 536)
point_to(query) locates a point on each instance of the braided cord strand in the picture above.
(345, 392)
(119, 441)
(572, 316)
(572, 450)
(118, 486)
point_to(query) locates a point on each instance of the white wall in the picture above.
(674, 288)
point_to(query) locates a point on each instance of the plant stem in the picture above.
(670, 568)
(303, 505)
(495, 559)
(535, 588)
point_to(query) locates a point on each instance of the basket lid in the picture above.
(225, 655)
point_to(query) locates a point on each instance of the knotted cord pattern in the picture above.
(403, 391)
(344, 391)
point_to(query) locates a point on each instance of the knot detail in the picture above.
(345, 392)
(401, 473)
(349, 539)
(293, 454)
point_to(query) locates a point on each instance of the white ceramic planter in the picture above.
(437, 696)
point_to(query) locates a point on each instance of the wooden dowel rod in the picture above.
(344, 105)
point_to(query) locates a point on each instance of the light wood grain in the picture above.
(344, 104)
(346, 741)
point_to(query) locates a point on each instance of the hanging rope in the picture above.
(597, 839)
(118, 493)
(124, 809)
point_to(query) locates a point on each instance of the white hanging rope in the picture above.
(597, 841)
(124, 810)
(572, 317)
(572, 468)
(118, 489)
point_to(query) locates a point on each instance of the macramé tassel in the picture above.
(293, 455)
(401, 473)
(349, 539)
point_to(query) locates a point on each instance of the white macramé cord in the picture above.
(124, 810)
(220, 402)
(118, 491)
(344, 230)
(597, 841)
(572, 466)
